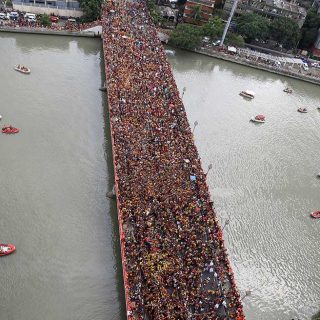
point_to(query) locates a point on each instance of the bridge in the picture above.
(175, 264)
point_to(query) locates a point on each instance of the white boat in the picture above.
(0, 116)
(247, 94)
(258, 118)
(302, 110)
(287, 90)
(170, 52)
(22, 69)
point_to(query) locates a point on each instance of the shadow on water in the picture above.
(112, 202)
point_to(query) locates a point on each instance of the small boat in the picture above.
(315, 214)
(10, 130)
(318, 108)
(170, 52)
(247, 94)
(287, 90)
(6, 248)
(0, 116)
(302, 110)
(318, 175)
(22, 69)
(260, 118)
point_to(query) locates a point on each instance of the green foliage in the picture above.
(186, 36)
(91, 9)
(196, 13)
(8, 3)
(310, 28)
(285, 31)
(252, 26)
(45, 20)
(220, 13)
(154, 12)
(234, 39)
(316, 316)
(213, 28)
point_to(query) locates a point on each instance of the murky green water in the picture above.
(54, 176)
(55, 173)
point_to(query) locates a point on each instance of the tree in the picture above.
(309, 31)
(213, 28)
(186, 36)
(316, 316)
(196, 13)
(252, 26)
(154, 12)
(91, 9)
(45, 20)
(285, 31)
(235, 39)
(220, 13)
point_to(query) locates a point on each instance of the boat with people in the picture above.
(260, 118)
(6, 248)
(302, 110)
(10, 130)
(315, 214)
(22, 69)
(247, 94)
(287, 90)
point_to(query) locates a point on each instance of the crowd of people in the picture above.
(174, 259)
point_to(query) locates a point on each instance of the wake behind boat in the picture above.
(22, 69)
(6, 248)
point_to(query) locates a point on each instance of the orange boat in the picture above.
(6, 248)
(10, 130)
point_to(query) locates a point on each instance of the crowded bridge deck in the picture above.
(175, 264)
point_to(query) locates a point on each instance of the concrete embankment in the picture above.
(175, 264)
(45, 31)
(257, 65)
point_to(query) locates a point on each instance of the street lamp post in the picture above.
(209, 168)
(234, 6)
(226, 223)
(247, 294)
(194, 125)
(183, 91)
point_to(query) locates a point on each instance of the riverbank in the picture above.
(212, 52)
(46, 31)
(256, 65)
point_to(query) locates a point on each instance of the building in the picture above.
(205, 11)
(270, 9)
(62, 8)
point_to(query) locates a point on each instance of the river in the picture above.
(56, 172)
